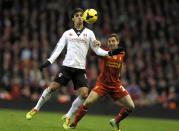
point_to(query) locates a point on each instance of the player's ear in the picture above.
(72, 19)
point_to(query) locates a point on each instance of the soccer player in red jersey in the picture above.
(108, 83)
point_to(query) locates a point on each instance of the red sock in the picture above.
(82, 110)
(123, 113)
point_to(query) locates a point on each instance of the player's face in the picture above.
(77, 18)
(112, 42)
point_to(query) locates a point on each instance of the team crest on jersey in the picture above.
(60, 74)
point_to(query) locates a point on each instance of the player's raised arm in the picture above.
(99, 51)
(95, 46)
(56, 52)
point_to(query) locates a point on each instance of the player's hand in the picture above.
(45, 64)
(96, 43)
(116, 51)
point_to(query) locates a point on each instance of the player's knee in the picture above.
(84, 95)
(83, 92)
(54, 86)
(52, 89)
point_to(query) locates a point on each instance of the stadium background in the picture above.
(30, 29)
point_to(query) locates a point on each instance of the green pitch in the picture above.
(13, 120)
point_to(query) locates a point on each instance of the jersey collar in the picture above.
(78, 32)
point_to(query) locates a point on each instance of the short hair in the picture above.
(114, 35)
(76, 11)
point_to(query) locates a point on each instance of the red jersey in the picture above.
(110, 68)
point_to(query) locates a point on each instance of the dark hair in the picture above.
(76, 11)
(114, 35)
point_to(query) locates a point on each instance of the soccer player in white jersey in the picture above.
(78, 40)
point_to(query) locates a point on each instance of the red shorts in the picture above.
(115, 92)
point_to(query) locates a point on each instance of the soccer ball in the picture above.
(90, 16)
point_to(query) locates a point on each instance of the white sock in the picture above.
(76, 103)
(44, 97)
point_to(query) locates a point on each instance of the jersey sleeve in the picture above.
(99, 51)
(58, 49)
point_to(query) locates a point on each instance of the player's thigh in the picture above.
(127, 102)
(100, 89)
(93, 97)
(117, 92)
(79, 79)
(63, 76)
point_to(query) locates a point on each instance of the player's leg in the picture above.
(66, 118)
(61, 78)
(47, 93)
(43, 99)
(124, 98)
(98, 91)
(126, 110)
(83, 93)
(80, 84)
(75, 104)
(82, 110)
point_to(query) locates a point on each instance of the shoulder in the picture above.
(67, 32)
(89, 31)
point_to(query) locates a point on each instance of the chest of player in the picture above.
(81, 39)
(115, 58)
(114, 61)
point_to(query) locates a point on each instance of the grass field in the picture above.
(13, 120)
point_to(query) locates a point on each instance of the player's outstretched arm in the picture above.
(56, 52)
(95, 46)
(58, 49)
(116, 51)
(99, 51)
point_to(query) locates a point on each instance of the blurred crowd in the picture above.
(149, 30)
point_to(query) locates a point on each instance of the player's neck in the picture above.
(115, 47)
(78, 27)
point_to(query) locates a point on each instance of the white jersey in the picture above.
(78, 43)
